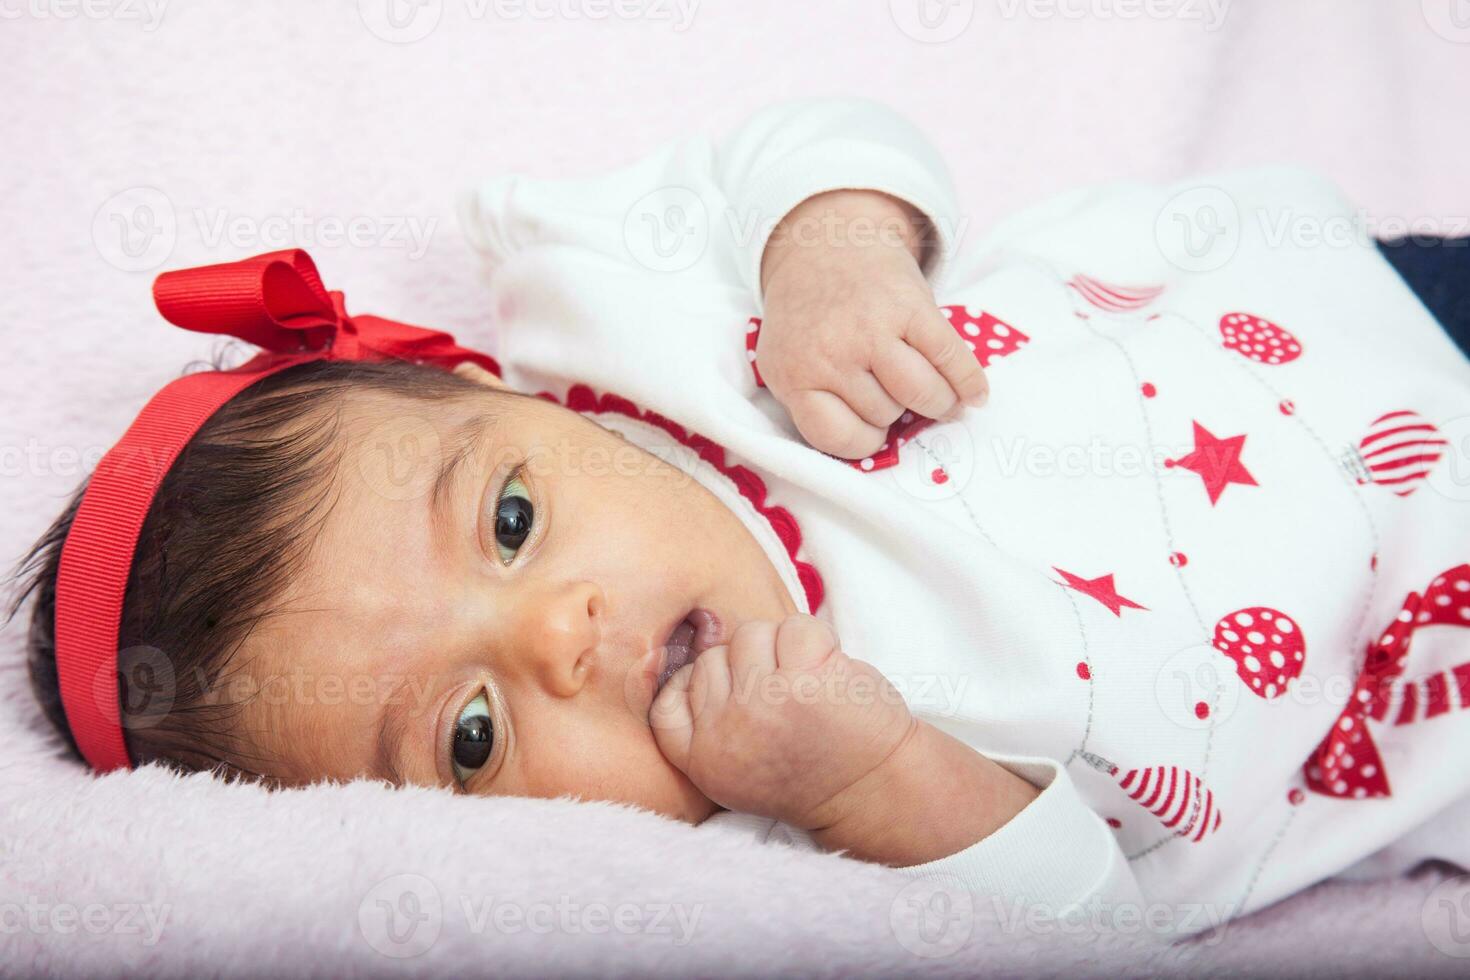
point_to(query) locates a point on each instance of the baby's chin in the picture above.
(696, 808)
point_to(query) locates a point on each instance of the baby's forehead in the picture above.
(403, 466)
(397, 449)
(424, 423)
(362, 408)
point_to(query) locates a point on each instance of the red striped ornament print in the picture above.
(1114, 299)
(1177, 797)
(1398, 452)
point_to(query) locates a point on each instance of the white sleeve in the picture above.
(708, 207)
(785, 154)
(1053, 854)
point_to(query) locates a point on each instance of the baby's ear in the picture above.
(474, 372)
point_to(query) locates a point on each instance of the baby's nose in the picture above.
(565, 627)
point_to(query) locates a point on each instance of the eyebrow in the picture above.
(457, 450)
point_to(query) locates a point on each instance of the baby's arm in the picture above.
(782, 724)
(833, 215)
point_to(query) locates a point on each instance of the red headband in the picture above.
(275, 301)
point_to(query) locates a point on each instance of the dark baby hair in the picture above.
(233, 520)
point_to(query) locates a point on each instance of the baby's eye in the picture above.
(474, 738)
(513, 518)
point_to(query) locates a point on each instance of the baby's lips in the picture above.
(709, 630)
(640, 683)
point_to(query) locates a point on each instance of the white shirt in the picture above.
(1145, 576)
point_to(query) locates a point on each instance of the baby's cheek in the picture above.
(572, 747)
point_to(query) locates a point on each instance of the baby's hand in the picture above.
(781, 723)
(851, 335)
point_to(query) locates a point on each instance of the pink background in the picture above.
(275, 108)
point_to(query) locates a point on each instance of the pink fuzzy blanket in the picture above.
(343, 129)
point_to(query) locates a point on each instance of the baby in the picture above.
(735, 534)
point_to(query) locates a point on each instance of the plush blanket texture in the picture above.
(334, 126)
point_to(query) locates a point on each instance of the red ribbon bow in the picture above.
(1347, 763)
(277, 302)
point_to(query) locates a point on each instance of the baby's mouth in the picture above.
(690, 637)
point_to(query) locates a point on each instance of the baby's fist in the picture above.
(852, 337)
(780, 722)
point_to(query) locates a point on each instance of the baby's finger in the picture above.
(913, 381)
(828, 423)
(753, 648)
(804, 643)
(710, 683)
(672, 718)
(931, 335)
(870, 400)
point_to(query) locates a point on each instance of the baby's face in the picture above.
(487, 604)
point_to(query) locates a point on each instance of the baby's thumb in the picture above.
(672, 718)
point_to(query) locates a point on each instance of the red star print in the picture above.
(1217, 461)
(1101, 589)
